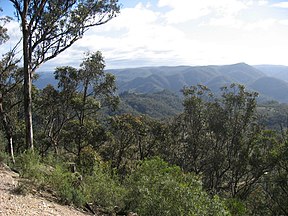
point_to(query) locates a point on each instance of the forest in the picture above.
(218, 154)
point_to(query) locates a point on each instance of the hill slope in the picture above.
(156, 79)
(276, 71)
(158, 105)
(271, 87)
(12, 204)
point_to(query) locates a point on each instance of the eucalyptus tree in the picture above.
(69, 112)
(3, 30)
(90, 89)
(273, 190)
(49, 27)
(220, 139)
(132, 138)
(9, 85)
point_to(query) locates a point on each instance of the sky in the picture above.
(181, 32)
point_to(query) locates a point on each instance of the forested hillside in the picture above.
(276, 71)
(232, 150)
(167, 141)
(215, 154)
(158, 105)
(270, 86)
(271, 83)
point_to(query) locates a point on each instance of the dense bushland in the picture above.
(153, 188)
(217, 157)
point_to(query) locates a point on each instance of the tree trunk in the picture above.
(27, 86)
(7, 128)
(11, 149)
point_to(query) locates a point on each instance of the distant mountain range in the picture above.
(276, 71)
(270, 81)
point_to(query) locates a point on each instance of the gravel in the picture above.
(13, 204)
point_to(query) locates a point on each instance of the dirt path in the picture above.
(12, 204)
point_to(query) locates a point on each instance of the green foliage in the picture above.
(219, 138)
(4, 157)
(67, 116)
(274, 185)
(155, 188)
(67, 186)
(96, 186)
(3, 31)
(10, 97)
(105, 189)
(158, 105)
(236, 207)
(273, 115)
(30, 166)
(88, 160)
(132, 138)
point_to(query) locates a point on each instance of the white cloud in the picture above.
(138, 33)
(233, 23)
(224, 22)
(263, 2)
(186, 10)
(284, 22)
(257, 2)
(280, 5)
(228, 31)
(265, 24)
(14, 35)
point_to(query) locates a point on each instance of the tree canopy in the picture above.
(48, 28)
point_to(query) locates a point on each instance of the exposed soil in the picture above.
(30, 203)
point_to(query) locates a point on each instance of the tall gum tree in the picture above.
(10, 84)
(49, 27)
(8, 81)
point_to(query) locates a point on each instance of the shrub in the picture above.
(96, 186)
(88, 160)
(67, 186)
(29, 166)
(236, 207)
(105, 189)
(4, 157)
(156, 188)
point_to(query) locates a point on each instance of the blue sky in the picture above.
(182, 32)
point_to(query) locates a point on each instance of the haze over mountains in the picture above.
(269, 80)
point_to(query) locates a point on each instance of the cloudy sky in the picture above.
(183, 32)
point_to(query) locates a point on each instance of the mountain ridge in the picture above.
(174, 78)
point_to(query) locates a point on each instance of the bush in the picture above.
(88, 160)
(96, 186)
(29, 166)
(236, 207)
(67, 186)
(4, 157)
(156, 188)
(105, 189)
